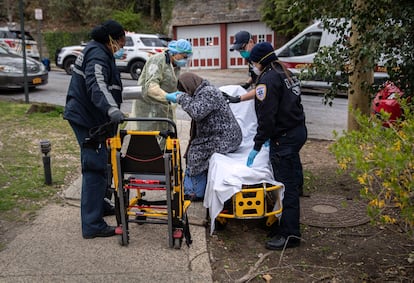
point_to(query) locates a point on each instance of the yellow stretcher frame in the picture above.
(175, 213)
(251, 203)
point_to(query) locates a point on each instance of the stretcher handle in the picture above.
(154, 119)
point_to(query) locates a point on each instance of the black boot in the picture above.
(278, 243)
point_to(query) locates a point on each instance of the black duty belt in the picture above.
(92, 144)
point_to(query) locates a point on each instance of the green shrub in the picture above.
(382, 160)
(129, 20)
(55, 40)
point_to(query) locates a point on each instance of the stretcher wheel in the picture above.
(123, 240)
(178, 235)
(142, 218)
(177, 244)
(220, 224)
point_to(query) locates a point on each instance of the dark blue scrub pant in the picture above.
(287, 169)
(94, 183)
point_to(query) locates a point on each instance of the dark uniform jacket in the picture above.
(278, 105)
(95, 87)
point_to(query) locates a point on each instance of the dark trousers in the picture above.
(287, 169)
(94, 183)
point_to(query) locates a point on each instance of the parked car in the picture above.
(386, 99)
(138, 48)
(11, 70)
(65, 57)
(300, 51)
(13, 39)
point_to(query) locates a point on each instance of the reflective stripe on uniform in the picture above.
(100, 80)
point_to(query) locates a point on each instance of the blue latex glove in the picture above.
(267, 143)
(172, 96)
(252, 156)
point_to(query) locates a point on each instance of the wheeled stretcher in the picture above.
(252, 202)
(235, 191)
(148, 181)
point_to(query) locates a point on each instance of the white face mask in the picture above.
(256, 70)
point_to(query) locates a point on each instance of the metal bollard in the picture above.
(45, 148)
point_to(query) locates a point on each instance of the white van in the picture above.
(300, 51)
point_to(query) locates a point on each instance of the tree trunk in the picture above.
(9, 4)
(152, 10)
(360, 79)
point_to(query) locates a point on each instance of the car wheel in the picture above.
(135, 69)
(68, 64)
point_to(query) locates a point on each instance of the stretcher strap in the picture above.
(143, 202)
(134, 187)
(144, 181)
(143, 160)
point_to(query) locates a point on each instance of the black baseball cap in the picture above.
(241, 38)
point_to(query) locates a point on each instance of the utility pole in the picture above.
(26, 87)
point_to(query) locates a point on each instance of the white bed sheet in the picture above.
(227, 173)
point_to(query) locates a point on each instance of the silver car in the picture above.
(11, 70)
(13, 39)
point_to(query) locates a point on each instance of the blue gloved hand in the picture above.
(172, 96)
(267, 143)
(252, 156)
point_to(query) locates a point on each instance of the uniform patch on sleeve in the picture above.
(261, 92)
(153, 68)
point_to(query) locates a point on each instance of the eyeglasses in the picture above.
(243, 47)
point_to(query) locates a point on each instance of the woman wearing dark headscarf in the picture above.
(93, 99)
(213, 129)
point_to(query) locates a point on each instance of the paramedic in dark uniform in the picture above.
(281, 121)
(93, 99)
(243, 42)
